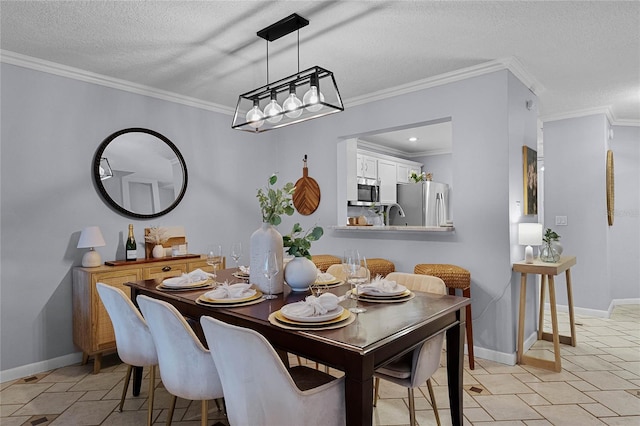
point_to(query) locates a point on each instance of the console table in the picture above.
(92, 329)
(548, 271)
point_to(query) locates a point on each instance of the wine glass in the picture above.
(270, 269)
(214, 258)
(236, 252)
(353, 270)
(360, 277)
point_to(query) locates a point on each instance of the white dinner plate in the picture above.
(286, 311)
(399, 290)
(249, 295)
(168, 284)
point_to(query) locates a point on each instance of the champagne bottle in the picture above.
(131, 246)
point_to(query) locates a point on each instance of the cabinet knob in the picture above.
(166, 268)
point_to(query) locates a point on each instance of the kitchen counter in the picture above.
(407, 229)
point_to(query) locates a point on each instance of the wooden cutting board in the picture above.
(306, 198)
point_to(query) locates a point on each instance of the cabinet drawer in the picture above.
(164, 271)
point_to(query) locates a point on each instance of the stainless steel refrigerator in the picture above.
(423, 203)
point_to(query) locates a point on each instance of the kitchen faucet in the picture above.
(389, 207)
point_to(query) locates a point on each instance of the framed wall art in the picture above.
(530, 180)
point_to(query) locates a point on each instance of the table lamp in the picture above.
(91, 237)
(529, 234)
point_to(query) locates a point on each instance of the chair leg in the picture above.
(171, 409)
(433, 401)
(376, 385)
(205, 412)
(127, 377)
(412, 408)
(152, 389)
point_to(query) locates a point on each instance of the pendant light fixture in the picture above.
(280, 100)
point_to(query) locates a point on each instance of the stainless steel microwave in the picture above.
(368, 192)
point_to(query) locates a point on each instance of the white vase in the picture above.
(265, 239)
(300, 273)
(158, 251)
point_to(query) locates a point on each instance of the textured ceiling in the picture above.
(581, 55)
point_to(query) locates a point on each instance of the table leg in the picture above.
(523, 303)
(358, 390)
(455, 359)
(572, 322)
(543, 282)
(554, 324)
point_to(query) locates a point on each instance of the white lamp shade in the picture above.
(530, 234)
(91, 237)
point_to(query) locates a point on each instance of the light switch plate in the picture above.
(561, 220)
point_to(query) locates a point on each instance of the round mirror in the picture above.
(140, 173)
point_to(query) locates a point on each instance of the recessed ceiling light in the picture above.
(413, 139)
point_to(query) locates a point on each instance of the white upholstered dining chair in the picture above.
(414, 368)
(133, 339)
(260, 390)
(186, 366)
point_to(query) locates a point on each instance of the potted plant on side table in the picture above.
(301, 272)
(551, 248)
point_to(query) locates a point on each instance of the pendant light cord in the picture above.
(267, 61)
(298, 50)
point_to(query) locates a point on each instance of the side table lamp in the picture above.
(529, 234)
(91, 237)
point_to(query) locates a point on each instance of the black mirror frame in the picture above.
(112, 203)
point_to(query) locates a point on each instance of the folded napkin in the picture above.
(186, 279)
(379, 285)
(230, 291)
(244, 269)
(313, 306)
(322, 277)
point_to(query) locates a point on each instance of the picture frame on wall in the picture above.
(530, 180)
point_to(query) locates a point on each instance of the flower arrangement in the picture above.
(275, 202)
(420, 177)
(298, 242)
(157, 235)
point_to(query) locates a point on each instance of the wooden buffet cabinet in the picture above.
(92, 329)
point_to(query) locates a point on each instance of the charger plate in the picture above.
(256, 295)
(327, 284)
(206, 285)
(281, 321)
(241, 276)
(392, 299)
(203, 302)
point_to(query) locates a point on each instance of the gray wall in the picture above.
(51, 127)
(575, 164)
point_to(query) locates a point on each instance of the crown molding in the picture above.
(24, 61)
(605, 110)
(512, 64)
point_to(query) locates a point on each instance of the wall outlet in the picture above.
(561, 220)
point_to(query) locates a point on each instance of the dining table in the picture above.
(372, 339)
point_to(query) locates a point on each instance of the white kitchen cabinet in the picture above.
(387, 175)
(403, 170)
(367, 166)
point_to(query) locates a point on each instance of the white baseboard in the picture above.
(491, 355)
(39, 367)
(598, 313)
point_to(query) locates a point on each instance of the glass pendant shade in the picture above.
(313, 97)
(273, 111)
(255, 117)
(292, 104)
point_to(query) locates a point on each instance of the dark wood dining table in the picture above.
(379, 335)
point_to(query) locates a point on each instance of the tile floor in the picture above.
(599, 384)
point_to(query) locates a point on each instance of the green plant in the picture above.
(549, 236)
(275, 202)
(298, 242)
